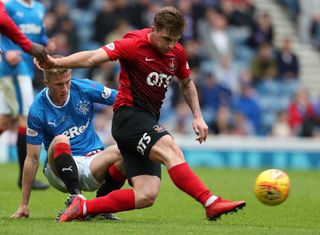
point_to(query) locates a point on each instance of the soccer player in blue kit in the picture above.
(61, 118)
(17, 71)
(11, 30)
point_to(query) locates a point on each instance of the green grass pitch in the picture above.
(174, 212)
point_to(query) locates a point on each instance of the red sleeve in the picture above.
(183, 71)
(121, 49)
(10, 29)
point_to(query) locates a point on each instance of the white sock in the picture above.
(210, 200)
(84, 208)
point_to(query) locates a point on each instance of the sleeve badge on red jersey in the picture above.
(110, 46)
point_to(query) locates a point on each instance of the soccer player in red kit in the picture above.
(149, 59)
(10, 29)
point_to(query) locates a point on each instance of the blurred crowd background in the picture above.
(247, 84)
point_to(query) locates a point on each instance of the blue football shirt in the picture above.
(73, 119)
(29, 18)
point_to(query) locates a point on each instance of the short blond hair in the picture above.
(48, 73)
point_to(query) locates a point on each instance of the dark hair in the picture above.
(47, 73)
(171, 20)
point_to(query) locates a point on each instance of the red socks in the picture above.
(184, 178)
(61, 148)
(116, 174)
(22, 130)
(62, 161)
(124, 200)
(116, 201)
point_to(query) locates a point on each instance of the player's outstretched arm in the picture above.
(39, 51)
(11, 30)
(30, 168)
(190, 94)
(81, 59)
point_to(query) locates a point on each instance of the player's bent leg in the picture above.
(114, 179)
(56, 140)
(116, 201)
(215, 206)
(146, 189)
(65, 165)
(108, 166)
(103, 161)
(54, 180)
(167, 152)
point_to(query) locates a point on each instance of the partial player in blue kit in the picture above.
(71, 117)
(28, 16)
(17, 71)
(61, 118)
(11, 30)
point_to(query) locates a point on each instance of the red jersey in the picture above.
(11, 30)
(145, 72)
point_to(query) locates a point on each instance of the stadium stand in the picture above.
(248, 58)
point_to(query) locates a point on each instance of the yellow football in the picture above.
(272, 187)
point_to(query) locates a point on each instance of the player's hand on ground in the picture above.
(201, 129)
(23, 211)
(39, 51)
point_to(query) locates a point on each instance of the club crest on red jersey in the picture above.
(111, 46)
(172, 64)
